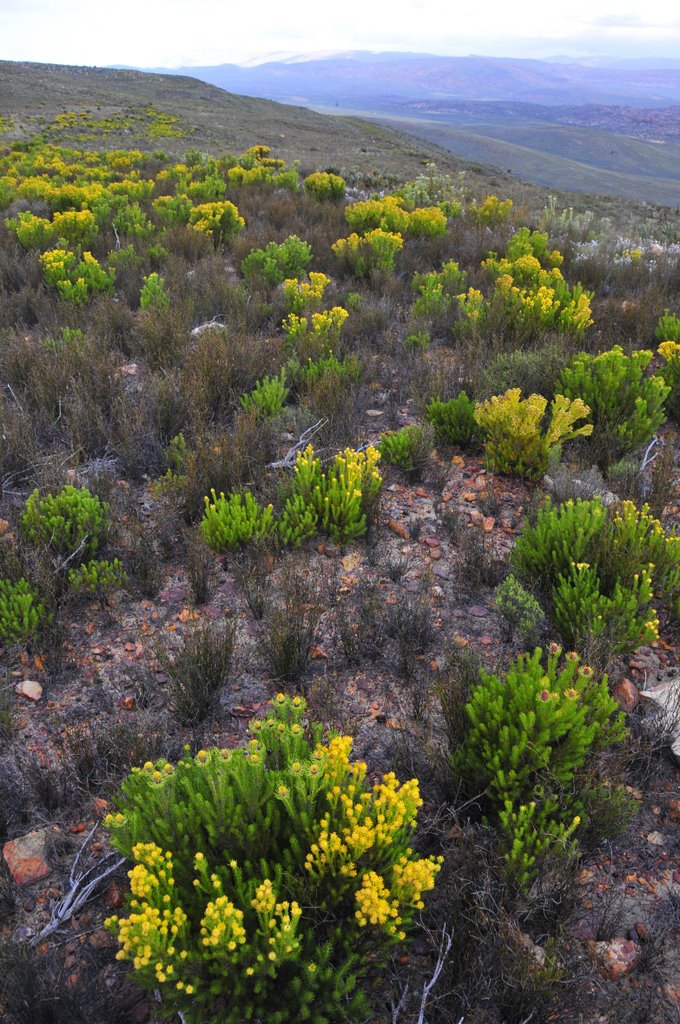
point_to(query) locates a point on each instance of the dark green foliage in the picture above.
(407, 449)
(454, 421)
(277, 261)
(520, 610)
(625, 406)
(531, 731)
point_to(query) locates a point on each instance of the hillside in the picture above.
(339, 574)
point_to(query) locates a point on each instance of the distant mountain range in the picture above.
(378, 79)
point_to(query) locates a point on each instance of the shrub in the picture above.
(76, 278)
(21, 613)
(341, 498)
(73, 523)
(603, 569)
(520, 610)
(438, 291)
(407, 449)
(315, 336)
(625, 407)
(515, 442)
(200, 668)
(453, 421)
(220, 220)
(670, 374)
(417, 342)
(153, 294)
(234, 520)
(235, 843)
(534, 372)
(530, 733)
(324, 186)
(491, 211)
(305, 296)
(668, 328)
(277, 261)
(375, 250)
(268, 396)
(98, 577)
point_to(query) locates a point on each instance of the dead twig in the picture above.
(82, 886)
(445, 944)
(288, 460)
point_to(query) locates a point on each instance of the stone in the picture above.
(617, 957)
(626, 693)
(29, 689)
(26, 857)
(399, 528)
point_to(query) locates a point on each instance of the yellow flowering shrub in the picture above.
(220, 220)
(670, 374)
(375, 250)
(76, 279)
(305, 296)
(267, 879)
(517, 441)
(314, 336)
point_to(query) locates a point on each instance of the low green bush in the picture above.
(454, 421)
(268, 880)
(277, 261)
(235, 519)
(626, 408)
(407, 449)
(530, 732)
(268, 396)
(324, 186)
(73, 523)
(21, 612)
(520, 610)
(98, 577)
(602, 569)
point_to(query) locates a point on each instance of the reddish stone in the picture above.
(617, 957)
(626, 693)
(25, 857)
(399, 529)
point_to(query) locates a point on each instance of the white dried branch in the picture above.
(288, 460)
(444, 949)
(82, 887)
(215, 322)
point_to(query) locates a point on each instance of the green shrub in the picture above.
(324, 186)
(520, 610)
(530, 733)
(21, 613)
(231, 847)
(311, 338)
(625, 406)
(417, 342)
(490, 212)
(668, 328)
(342, 496)
(234, 520)
(407, 449)
(533, 372)
(453, 421)
(73, 523)
(515, 439)
(277, 261)
(602, 569)
(153, 294)
(438, 291)
(268, 396)
(98, 577)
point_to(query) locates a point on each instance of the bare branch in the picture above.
(396, 1010)
(215, 322)
(288, 460)
(444, 949)
(82, 887)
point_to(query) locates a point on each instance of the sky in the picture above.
(173, 33)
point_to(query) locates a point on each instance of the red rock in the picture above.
(114, 896)
(626, 693)
(489, 524)
(399, 529)
(25, 857)
(617, 957)
(435, 554)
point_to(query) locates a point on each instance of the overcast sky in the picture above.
(169, 33)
